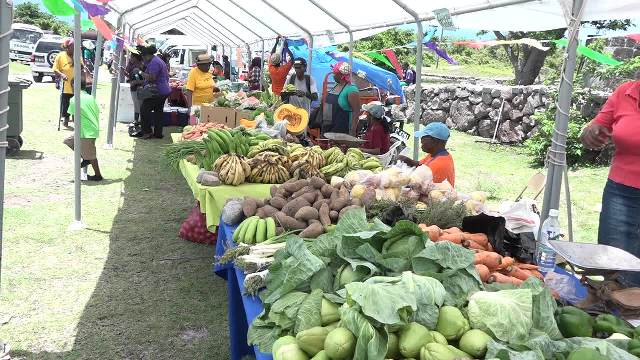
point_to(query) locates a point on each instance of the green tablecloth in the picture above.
(213, 198)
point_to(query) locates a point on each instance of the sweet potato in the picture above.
(323, 214)
(295, 186)
(333, 215)
(278, 202)
(292, 207)
(279, 230)
(269, 210)
(319, 203)
(260, 213)
(312, 231)
(288, 222)
(345, 209)
(249, 207)
(304, 191)
(326, 190)
(317, 182)
(483, 271)
(260, 203)
(306, 213)
(273, 190)
(339, 203)
(310, 197)
(282, 193)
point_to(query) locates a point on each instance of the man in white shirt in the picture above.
(305, 84)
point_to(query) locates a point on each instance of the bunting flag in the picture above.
(391, 55)
(362, 56)
(376, 56)
(480, 44)
(94, 9)
(58, 7)
(590, 53)
(440, 52)
(86, 24)
(635, 37)
(102, 27)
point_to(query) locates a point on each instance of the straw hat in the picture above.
(203, 59)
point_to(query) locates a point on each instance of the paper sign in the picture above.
(444, 18)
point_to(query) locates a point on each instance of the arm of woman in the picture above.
(408, 161)
(354, 102)
(188, 95)
(597, 133)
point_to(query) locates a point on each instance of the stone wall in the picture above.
(476, 109)
(622, 48)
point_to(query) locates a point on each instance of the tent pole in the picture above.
(112, 103)
(77, 89)
(344, 24)
(261, 67)
(6, 18)
(97, 63)
(284, 15)
(418, 88)
(557, 153)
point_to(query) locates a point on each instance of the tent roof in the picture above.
(248, 21)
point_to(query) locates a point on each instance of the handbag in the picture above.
(147, 91)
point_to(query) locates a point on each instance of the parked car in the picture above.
(44, 55)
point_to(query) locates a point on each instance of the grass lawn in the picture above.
(16, 68)
(126, 287)
(479, 71)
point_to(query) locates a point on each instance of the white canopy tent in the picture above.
(239, 23)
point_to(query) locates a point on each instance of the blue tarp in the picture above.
(324, 57)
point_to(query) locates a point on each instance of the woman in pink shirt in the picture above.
(619, 122)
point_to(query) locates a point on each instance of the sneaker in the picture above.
(94, 178)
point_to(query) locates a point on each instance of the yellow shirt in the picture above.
(64, 64)
(201, 84)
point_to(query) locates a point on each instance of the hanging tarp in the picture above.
(591, 54)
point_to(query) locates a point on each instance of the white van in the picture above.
(23, 41)
(44, 55)
(182, 57)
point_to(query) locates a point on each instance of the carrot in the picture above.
(506, 262)
(434, 232)
(490, 259)
(453, 230)
(481, 239)
(516, 272)
(535, 273)
(524, 266)
(469, 244)
(490, 247)
(483, 271)
(496, 277)
(454, 238)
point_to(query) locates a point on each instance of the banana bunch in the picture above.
(333, 156)
(269, 171)
(267, 156)
(335, 169)
(258, 138)
(309, 155)
(372, 163)
(222, 141)
(254, 230)
(232, 169)
(302, 169)
(272, 145)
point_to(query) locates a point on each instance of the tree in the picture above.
(527, 61)
(30, 13)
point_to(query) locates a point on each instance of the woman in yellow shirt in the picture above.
(199, 87)
(63, 68)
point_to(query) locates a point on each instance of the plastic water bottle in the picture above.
(546, 256)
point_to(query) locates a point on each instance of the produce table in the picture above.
(213, 198)
(242, 308)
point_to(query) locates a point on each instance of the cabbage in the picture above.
(506, 314)
(474, 342)
(346, 275)
(340, 344)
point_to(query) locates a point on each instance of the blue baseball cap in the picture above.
(436, 130)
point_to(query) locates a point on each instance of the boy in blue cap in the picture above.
(433, 139)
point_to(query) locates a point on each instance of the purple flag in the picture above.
(94, 9)
(440, 52)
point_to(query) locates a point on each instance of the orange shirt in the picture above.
(442, 167)
(279, 76)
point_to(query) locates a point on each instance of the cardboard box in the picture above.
(218, 115)
(244, 114)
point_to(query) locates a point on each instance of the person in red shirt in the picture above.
(377, 135)
(619, 122)
(278, 71)
(434, 139)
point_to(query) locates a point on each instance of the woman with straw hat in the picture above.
(200, 84)
(63, 69)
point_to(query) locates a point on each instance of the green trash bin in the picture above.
(14, 116)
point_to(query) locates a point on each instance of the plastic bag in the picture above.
(564, 285)
(395, 176)
(194, 228)
(520, 216)
(357, 176)
(281, 128)
(421, 179)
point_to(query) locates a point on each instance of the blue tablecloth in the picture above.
(242, 308)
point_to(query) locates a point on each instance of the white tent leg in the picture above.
(6, 16)
(77, 89)
(97, 63)
(557, 153)
(113, 110)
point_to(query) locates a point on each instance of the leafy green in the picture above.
(263, 333)
(506, 314)
(308, 314)
(544, 307)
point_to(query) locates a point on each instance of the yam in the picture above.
(313, 221)
(333, 215)
(339, 203)
(343, 192)
(282, 193)
(312, 231)
(288, 222)
(269, 210)
(356, 202)
(334, 195)
(310, 197)
(260, 213)
(319, 195)
(345, 209)
(295, 186)
(260, 203)
(277, 202)
(273, 190)
(279, 230)
(323, 214)
(249, 207)
(303, 191)
(317, 182)
(319, 203)
(292, 207)
(326, 190)
(306, 213)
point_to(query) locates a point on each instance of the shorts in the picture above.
(87, 147)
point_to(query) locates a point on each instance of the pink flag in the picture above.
(102, 27)
(394, 60)
(635, 37)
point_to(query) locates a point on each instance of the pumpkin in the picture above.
(297, 118)
(247, 124)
